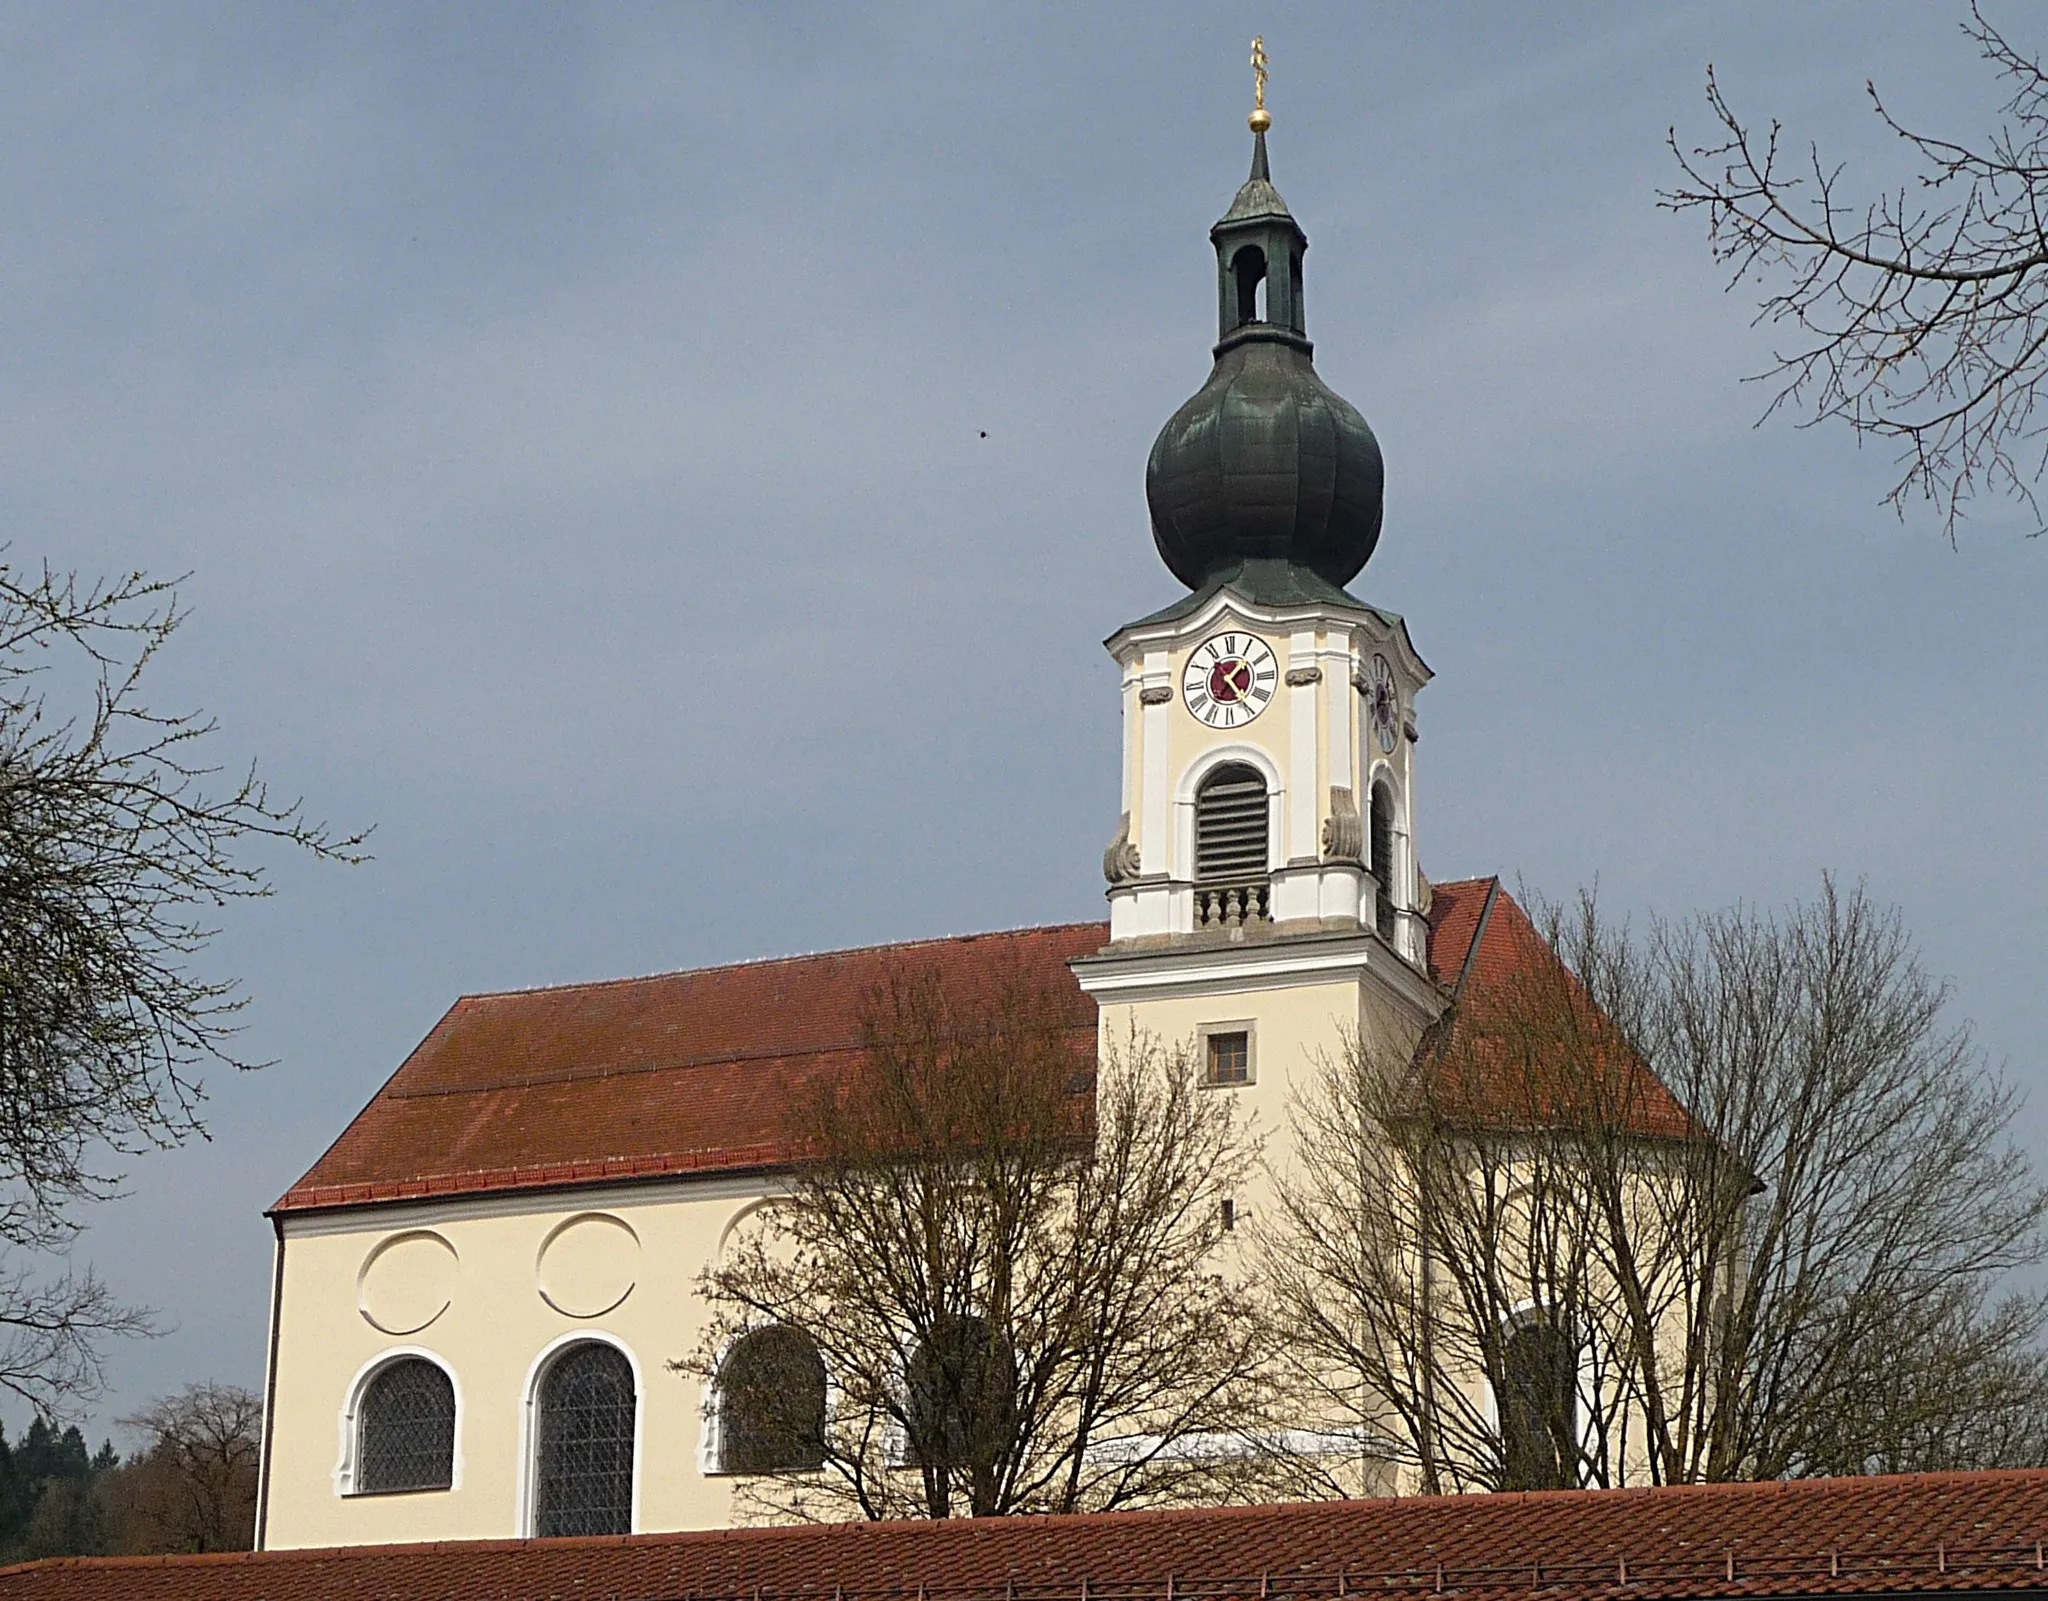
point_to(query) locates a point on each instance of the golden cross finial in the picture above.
(1259, 119)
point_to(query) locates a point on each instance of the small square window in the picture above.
(1230, 1058)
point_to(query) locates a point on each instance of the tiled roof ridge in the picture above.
(789, 957)
(1871, 1487)
(1465, 883)
(697, 1161)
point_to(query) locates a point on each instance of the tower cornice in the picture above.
(1203, 613)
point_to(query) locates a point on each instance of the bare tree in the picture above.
(1523, 1259)
(990, 1291)
(116, 848)
(1922, 315)
(193, 1487)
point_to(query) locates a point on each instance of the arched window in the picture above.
(771, 1403)
(583, 1460)
(1383, 856)
(1249, 264)
(1230, 847)
(1539, 1408)
(405, 1429)
(962, 1396)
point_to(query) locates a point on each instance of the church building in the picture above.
(479, 1287)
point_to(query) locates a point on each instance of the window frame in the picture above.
(1249, 1028)
(711, 1453)
(1527, 1315)
(348, 1465)
(529, 1422)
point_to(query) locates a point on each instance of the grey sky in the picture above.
(572, 418)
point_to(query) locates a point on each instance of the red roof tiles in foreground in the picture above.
(1819, 1537)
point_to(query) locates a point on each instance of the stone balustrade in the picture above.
(1232, 905)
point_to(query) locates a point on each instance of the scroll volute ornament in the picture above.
(1343, 830)
(1120, 864)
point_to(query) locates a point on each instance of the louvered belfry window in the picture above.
(406, 1432)
(584, 1472)
(1230, 826)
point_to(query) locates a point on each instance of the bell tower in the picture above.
(1269, 723)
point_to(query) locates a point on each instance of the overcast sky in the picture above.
(572, 419)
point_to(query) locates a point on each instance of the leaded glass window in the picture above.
(771, 1403)
(405, 1437)
(584, 1466)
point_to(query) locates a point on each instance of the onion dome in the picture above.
(1265, 462)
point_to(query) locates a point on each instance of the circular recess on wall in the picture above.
(406, 1282)
(588, 1265)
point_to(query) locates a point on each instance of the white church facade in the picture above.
(481, 1284)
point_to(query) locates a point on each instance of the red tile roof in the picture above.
(644, 1077)
(1512, 989)
(691, 1072)
(1918, 1534)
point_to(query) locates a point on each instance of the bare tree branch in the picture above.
(118, 842)
(1922, 315)
(1023, 1293)
(1522, 1260)
(193, 1487)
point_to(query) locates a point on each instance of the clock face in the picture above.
(1230, 679)
(1383, 705)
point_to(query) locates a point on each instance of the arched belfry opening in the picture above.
(1382, 857)
(1249, 267)
(1231, 848)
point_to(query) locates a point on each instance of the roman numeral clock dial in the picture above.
(1229, 679)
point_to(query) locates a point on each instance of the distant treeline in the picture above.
(191, 1488)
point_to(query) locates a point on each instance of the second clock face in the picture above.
(1383, 704)
(1230, 679)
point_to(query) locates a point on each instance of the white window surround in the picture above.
(707, 1414)
(1588, 1379)
(529, 1434)
(708, 1439)
(347, 1463)
(1190, 786)
(1246, 1026)
(1383, 773)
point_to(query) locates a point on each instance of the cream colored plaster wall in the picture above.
(1287, 741)
(1312, 742)
(495, 1301)
(1292, 1028)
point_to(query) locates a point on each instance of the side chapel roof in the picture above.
(1497, 965)
(690, 1073)
(1920, 1534)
